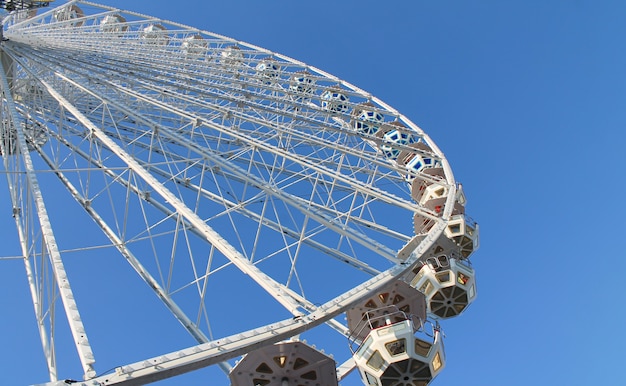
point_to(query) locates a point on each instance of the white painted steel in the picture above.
(195, 154)
(48, 239)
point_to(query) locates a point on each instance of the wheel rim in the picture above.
(223, 155)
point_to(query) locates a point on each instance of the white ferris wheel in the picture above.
(228, 178)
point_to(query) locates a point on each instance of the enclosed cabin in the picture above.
(398, 296)
(335, 100)
(461, 228)
(395, 138)
(465, 233)
(429, 177)
(301, 85)
(398, 350)
(419, 160)
(232, 56)
(114, 24)
(194, 47)
(366, 119)
(154, 34)
(435, 196)
(291, 363)
(70, 16)
(267, 71)
(448, 283)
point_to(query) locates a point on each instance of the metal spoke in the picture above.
(223, 174)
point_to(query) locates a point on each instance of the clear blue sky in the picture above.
(527, 100)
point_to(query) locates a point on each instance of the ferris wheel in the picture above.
(260, 199)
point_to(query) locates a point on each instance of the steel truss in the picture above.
(202, 159)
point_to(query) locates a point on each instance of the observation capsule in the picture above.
(232, 55)
(394, 139)
(366, 120)
(419, 185)
(154, 34)
(400, 354)
(301, 83)
(194, 46)
(419, 161)
(333, 99)
(398, 296)
(114, 24)
(70, 13)
(285, 363)
(435, 195)
(267, 70)
(448, 284)
(464, 232)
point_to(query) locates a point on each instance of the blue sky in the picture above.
(526, 99)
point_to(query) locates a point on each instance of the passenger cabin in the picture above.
(333, 99)
(114, 25)
(464, 232)
(400, 353)
(154, 34)
(448, 284)
(194, 47)
(69, 13)
(399, 296)
(267, 71)
(366, 120)
(435, 196)
(394, 140)
(232, 55)
(301, 82)
(419, 185)
(291, 363)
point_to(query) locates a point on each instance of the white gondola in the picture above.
(437, 191)
(70, 13)
(267, 70)
(400, 353)
(232, 55)
(399, 295)
(421, 162)
(285, 364)
(392, 140)
(114, 24)
(419, 185)
(422, 224)
(194, 46)
(435, 196)
(448, 284)
(301, 84)
(366, 120)
(462, 230)
(154, 34)
(333, 99)
(395, 139)
(465, 233)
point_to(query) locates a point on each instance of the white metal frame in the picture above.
(173, 134)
